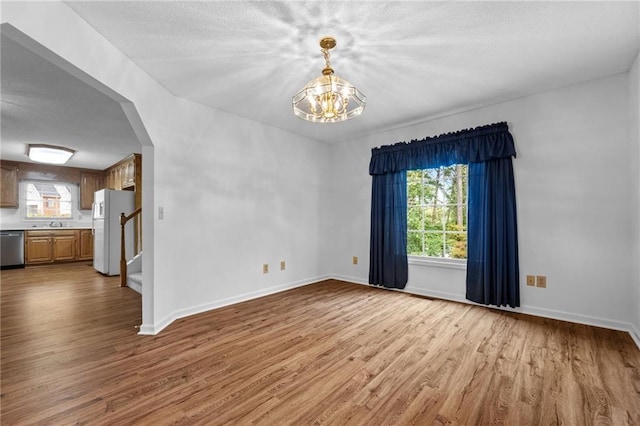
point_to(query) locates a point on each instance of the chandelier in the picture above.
(328, 98)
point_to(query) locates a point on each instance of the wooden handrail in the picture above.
(123, 255)
(124, 219)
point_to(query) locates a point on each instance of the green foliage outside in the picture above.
(437, 212)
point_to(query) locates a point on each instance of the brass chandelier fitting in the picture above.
(328, 98)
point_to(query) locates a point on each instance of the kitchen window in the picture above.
(49, 200)
(437, 212)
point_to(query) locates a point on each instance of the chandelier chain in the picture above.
(327, 61)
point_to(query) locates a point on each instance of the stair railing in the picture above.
(123, 255)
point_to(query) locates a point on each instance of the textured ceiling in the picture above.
(413, 60)
(43, 104)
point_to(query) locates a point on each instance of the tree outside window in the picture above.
(437, 212)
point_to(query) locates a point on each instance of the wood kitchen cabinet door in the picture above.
(8, 185)
(89, 183)
(123, 175)
(38, 249)
(64, 247)
(85, 244)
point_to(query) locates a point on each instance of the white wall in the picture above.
(236, 193)
(572, 181)
(16, 218)
(634, 158)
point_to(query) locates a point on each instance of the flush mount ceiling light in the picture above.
(49, 154)
(328, 98)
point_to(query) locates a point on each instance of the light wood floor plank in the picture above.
(330, 353)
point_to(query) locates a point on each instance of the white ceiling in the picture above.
(413, 60)
(43, 104)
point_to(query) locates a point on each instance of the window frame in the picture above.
(73, 191)
(439, 261)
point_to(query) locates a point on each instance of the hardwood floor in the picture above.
(328, 353)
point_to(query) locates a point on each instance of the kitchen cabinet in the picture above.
(125, 174)
(85, 244)
(38, 247)
(117, 180)
(8, 185)
(110, 179)
(89, 183)
(64, 245)
(128, 173)
(50, 246)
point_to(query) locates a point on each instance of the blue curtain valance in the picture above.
(477, 145)
(492, 231)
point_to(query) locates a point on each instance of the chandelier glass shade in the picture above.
(328, 98)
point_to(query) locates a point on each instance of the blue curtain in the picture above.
(492, 237)
(388, 250)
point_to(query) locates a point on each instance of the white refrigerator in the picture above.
(108, 204)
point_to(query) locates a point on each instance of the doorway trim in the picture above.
(146, 143)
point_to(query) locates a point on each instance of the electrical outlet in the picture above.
(531, 280)
(265, 268)
(542, 281)
(282, 265)
(355, 260)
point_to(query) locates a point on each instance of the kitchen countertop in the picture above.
(43, 228)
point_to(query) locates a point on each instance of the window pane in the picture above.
(414, 194)
(456, 218)
(414, 243)
(433, 217)
(456, 245)
(414, 175)
(434, 245)
(432, 175)
(437, 206)
(49, 200)
(414, 218)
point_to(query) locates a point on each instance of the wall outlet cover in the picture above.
(541, 281)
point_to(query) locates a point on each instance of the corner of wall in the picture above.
(634, 140)
(635, 335)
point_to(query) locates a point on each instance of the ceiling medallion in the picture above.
(328, 98)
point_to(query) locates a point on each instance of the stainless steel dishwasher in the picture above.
(11, 249)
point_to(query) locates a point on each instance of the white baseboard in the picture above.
(349, 279)
(135, 286)
(529, 310)
(153, 329)
(635, 335)
(146, 330)
(158, 327)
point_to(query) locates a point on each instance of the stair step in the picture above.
(136, 276)
(134, 281)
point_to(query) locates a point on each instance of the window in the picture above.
(49, 200)
(437, 212)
